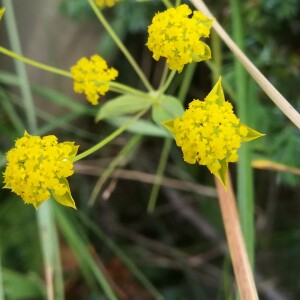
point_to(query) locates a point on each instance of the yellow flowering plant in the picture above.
(38, 167)
(208, 132)
(176, 36)
(92, 77)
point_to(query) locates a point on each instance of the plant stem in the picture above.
(167, 3)
(261, 80)
(34, 63)
(115, 86)
(119, 43)
(110, 137)
(14, 40)
(167, 83)
(244, 174)
(240, 261)
(159, 174)
(1, 277)
(125, 89)
(45, 220)
(186, 82)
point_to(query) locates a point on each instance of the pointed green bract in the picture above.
(252, 134)
(169, 125)
(66, 199)
(2, 10)
(217, 91)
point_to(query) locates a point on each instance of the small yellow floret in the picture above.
(175, 36)
(209, 133)
(106, 3)
(92, 77)
(37, 168)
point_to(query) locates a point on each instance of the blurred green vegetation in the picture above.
(178, 251)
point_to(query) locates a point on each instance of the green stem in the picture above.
(245, 176)
(159, 174)
(14, 40)
(46, 224)
(186, 82)
(119, 43)
(115, 86)
(125, 89)
(167, 83)
(167, 3)
(34, 63)
(216, 49)
(1, 278)
(163, 76)
(110, 137)
(120, 160)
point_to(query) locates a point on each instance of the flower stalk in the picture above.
(240, 261)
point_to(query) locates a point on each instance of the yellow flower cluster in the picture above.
(106, 3)
(92, 77)
(175, 36)
(37, 169)
(210, 134)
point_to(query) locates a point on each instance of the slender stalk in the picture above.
(186, 82)
(34, 63)
(163, 76)
(114, 86)
(14, 40)
(124, 89)
(239, 258)
(168, 82)
(1, 278)
(216, 57)
(261, 80)
(118, 161)
(167, 3)
(110, 137)
(159, 174)
(119, 43)
(244, 174)
(47, 230)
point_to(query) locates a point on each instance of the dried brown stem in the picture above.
(237, 249)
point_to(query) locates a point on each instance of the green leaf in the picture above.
(19, 286)
(168, 109)
(122, 105)
(140, 126)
